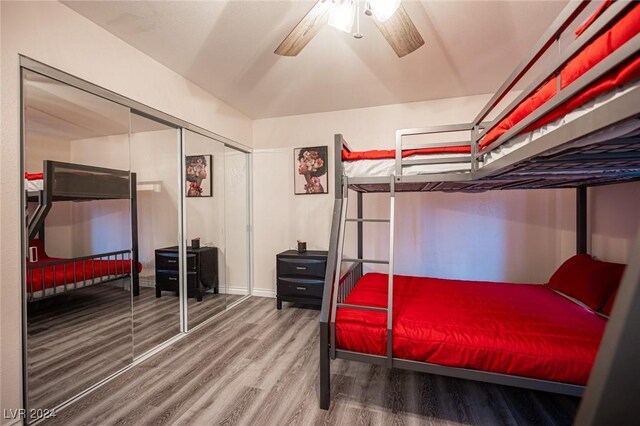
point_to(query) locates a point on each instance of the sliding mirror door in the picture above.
(203, 184)
(155, 160)
(79, 240)
(237, 224)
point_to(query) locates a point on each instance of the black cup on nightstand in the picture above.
(302, 246)
(195, 243)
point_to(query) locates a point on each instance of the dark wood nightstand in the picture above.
(202, 270)
(300, 276)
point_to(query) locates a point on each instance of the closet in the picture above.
(136, 231)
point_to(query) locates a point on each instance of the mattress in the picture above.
(33, 182)
(524, 330)
(617, 83)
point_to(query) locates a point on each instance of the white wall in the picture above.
(614, 220)
(103, 226)
(39, 147)
(205, 215)
(154, 157)
(518, 236)
(51, 33)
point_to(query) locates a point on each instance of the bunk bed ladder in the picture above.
(336, 303)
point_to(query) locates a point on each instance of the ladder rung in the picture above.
(368, 220)
(383, 262)
(367, 308)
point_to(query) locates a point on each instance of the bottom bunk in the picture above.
(48, 276)
(525, 330)
(542, 337)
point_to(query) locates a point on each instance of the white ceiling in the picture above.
(56, 111)
(226, 47)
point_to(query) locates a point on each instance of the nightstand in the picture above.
(202, 270)
(300, 276)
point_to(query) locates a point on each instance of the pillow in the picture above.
(606, 309)
(590, 281)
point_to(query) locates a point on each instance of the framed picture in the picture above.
(311, 168)
(198, 176)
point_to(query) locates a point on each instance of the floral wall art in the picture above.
(198, 177)
(311, 170)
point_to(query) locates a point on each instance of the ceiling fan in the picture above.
(388, 15)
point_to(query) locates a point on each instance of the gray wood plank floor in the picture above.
(81, 337)
(259, 366)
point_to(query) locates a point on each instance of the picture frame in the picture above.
(311, 170)
(198, 175)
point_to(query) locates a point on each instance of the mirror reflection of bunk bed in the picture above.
(59, 181)
(577, 125)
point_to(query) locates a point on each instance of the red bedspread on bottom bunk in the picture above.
(517, 329)
(73, 271)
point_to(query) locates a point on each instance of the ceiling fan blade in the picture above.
(400, 32)
(306, 29)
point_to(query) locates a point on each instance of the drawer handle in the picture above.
(301, 288)
(172, 261)
(301, 268)
(173, 279)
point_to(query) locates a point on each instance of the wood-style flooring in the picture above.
(78, 338)
(259, 366)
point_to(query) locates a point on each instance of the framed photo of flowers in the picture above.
(198, 178)
(311, 167)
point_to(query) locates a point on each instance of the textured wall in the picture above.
(519, 236)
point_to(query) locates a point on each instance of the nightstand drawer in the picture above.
(300, 287)
(171, 279)
(302, 267)
(170, 261)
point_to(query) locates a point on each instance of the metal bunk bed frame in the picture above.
(123, 186)
(568, 157)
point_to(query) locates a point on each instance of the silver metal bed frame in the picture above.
(567, 157)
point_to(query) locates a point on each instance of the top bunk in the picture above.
(61, 181)
(77, 182)
(576, 124)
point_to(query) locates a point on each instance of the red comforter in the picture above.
(602, 46)
(517, 329)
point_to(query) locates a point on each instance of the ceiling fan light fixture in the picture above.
(384, 9)
(342, 15)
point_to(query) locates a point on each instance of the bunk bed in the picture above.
(59, 181)
(572, 127)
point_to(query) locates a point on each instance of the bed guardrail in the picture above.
(48, 279)
(479, 127)
(455, 129)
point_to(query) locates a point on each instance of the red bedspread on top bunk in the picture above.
(517, 329)
(33, 176)
(602, 46)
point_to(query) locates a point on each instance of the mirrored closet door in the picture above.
(80, 244)
(204, 225)
(135, 230)
(155, 160)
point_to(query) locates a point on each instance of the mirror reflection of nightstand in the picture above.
(202, 270)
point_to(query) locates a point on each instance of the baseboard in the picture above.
(264, 293)
(240, 291)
